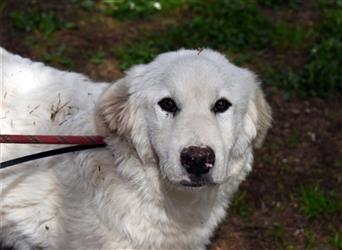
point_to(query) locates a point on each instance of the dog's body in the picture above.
(136, 193)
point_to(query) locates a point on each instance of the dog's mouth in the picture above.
(195, 181)
(195, 184)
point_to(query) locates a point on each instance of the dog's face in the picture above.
(195, 114)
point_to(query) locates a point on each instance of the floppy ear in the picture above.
(262, 117)
(113, 113)
(255, 123)
(118, 114)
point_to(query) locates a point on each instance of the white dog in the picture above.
(179, 130)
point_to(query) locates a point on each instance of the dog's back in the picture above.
(37, 99)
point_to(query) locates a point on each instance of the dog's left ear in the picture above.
(255, 123)
(261, 114)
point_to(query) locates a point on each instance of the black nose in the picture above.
(197, 160)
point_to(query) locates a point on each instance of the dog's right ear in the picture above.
(120, 114)
(113, 113)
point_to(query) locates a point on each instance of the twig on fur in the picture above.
(62, 122)
(54, 111)
(34, 109)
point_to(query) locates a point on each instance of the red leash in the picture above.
(80, 143)
(52, 139)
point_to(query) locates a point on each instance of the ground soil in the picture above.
(303, 147)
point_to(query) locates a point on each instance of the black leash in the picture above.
(48, 153)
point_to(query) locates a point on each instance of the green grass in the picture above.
(314, 203)
(338, 163)
(336, 241)
(294, 4)
(137, 53)
(137, 9)
(241, 206)
(285, 35)
(239, 27)
(57, 57)
(277, 233)
(230, 26)
(88, 5)
(2, 7)
(310, 240)
(293, 140)
(98, 57)
(31, 20)
(322, 73)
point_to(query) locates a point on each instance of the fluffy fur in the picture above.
(131, 194)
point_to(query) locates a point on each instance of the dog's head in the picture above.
(194, 114)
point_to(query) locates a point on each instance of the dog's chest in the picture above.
(170, 226)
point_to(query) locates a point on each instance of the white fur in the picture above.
(128, 195)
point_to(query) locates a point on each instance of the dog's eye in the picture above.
(168, 105)
(221, 105)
